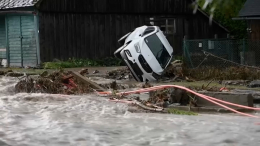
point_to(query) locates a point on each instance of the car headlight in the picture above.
(137, 48)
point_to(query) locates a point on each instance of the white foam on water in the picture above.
(45, 119)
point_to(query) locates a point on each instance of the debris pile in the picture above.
(58, 82)
(119, 74)
(164, 98)
(174, 69)
(176, 72)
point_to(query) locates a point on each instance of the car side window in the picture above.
(148, 30)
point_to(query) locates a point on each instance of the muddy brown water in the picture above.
(56, 120)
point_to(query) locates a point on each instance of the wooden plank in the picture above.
(87, 81)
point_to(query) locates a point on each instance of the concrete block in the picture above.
(209, 109)
(245, 99)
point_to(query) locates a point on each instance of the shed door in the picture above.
(21, 41)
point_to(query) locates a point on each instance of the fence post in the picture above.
(184, 46)
(186, 51)
(230, 51)
(216, 36)
(244, 51)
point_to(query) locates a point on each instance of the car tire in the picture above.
(117, 55)
(121, 42)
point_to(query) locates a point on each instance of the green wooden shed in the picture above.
(19, 43)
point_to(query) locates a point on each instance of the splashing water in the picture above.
(44, 119)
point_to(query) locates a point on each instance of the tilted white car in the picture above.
(146, 52)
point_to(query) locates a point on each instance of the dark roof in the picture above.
(8, 4)
(213, 20)
(251, 8)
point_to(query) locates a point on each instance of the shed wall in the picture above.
(255, 28)
(63, 36)
(117, 6)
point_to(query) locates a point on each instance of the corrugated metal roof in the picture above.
(8, 4)
(251, 8)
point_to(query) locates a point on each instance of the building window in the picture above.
(169, 26)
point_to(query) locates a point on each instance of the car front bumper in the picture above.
(137, 71)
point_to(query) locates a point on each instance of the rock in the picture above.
(179, 96)
(96, 71)
(2, 73)
(83, 72)
(254, 84)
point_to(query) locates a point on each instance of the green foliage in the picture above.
(223, 11)
(71, 63)
(181, 112)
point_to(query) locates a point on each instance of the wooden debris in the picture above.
(87, 81)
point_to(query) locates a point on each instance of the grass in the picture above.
(228, 73)
(74, 63)
(200, 84)
(181, 112)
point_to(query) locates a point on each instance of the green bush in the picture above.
(73, 63)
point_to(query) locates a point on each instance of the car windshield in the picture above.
(158, 50)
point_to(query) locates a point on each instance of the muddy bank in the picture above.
(58, 82)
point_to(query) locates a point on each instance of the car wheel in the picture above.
(121, 42)
(117, 55)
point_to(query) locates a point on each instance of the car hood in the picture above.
(150, 58)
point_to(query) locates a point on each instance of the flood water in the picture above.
(56, 120)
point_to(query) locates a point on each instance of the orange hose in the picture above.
(211, 99)
(229, 103)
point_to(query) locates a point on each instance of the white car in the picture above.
(146, 52)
